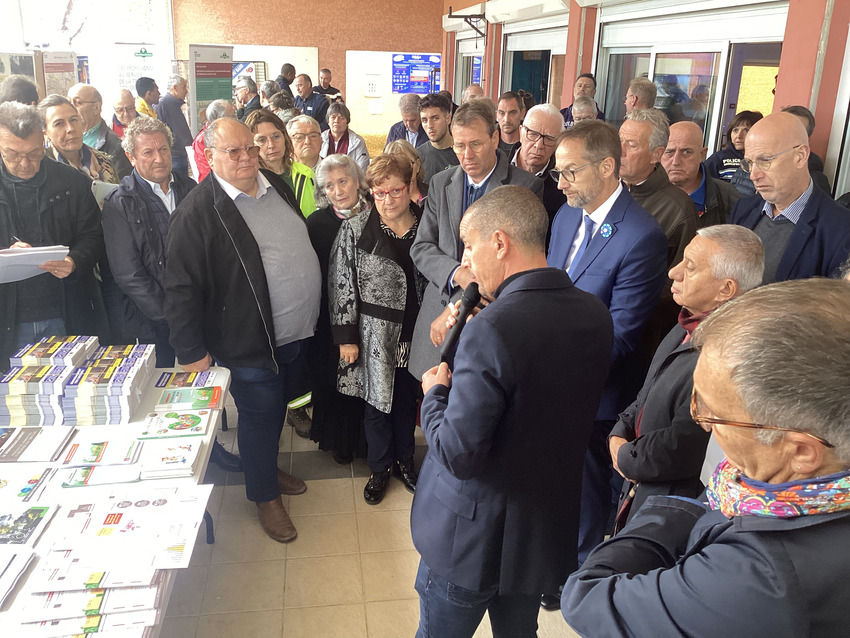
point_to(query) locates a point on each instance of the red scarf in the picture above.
(690, 321)
(340, 147)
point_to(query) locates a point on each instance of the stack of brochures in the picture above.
(31, 391)
(108, 387)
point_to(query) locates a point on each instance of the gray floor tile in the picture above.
(318, 465)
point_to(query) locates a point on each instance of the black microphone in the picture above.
(470, 298)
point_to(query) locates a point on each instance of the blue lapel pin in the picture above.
(606, 231)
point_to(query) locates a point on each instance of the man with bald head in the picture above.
(97, 133)
(472, 92)
(125, 112)
(242, 284)
(804, 232)
(683, 160)
(536, 154)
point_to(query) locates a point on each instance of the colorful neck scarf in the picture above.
(690, 321)
(736, 495)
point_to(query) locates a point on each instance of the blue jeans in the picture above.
(261, 396)
(180, 163)
(32, 331)
(390, 437)
(449, 611)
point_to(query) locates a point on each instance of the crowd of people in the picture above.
(636, 296)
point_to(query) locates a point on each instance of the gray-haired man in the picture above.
(169, 109)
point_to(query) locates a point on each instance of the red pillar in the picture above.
(808, 72)
(492, 63)
(579, 58)
(447, 70)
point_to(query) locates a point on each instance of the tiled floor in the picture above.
(349, 574)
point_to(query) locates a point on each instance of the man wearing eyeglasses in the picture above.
(45, 203)
(125, 112)
(437, 250)
(613, 248)
(805, 233)
(306, 137)
(97, 133)
(536, 153)
(655, 445)
(242, 284)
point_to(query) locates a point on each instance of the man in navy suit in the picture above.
(614, 249)
(804, 232)
(494, 517)
(410, 128)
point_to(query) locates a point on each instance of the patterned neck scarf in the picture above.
(736, 495)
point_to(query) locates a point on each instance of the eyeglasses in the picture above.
(763, 163)
(394, 193)
(77, 101)
(533, 136)
(569, 174)
(122, 109)
(300, 137)
(262, 140)
(15, 158)
(706, 422)
(475, 146)
(235, 154)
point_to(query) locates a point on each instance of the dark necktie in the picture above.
(588, 234)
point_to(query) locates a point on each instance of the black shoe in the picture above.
(550, 602)
(376, 487)
(406, 473)
(300, 421)
(224, 459)
(342, 459)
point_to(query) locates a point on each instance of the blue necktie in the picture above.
(588, 234)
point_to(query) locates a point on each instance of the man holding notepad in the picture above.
(45, 203)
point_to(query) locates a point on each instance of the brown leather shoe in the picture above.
(276, 522)
(290, 485)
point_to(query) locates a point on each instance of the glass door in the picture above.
(687, 86)
(623, 65)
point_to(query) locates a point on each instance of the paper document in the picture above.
(17, 264)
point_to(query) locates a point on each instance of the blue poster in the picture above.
(412, 72)
(476, 70)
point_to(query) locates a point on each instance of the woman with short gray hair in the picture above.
(341, 192)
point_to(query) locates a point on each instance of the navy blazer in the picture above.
(399, 132)
(498, 495)
(625, 270)
(820, 242)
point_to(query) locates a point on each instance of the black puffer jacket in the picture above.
(135, 226)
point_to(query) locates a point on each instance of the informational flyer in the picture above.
(210, 78)
(412, 72)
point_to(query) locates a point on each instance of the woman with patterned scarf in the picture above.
(768, 555)
(63, 128)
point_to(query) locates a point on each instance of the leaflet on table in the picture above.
(174, 424)
(52, 351)
(17, 264)
(191, 399)
(68, 571)
(14, 562)
(203, 379)
(109, 377)
(101, 626)
(144, 354)
(23, 523)
(33, 444)
(100, 475)
(24, 481)
(61, 605)
(35, 380)
(88, 449)
(136, 525)
(166, 458)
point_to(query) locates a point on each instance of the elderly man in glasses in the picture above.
(242, 284)
(611, 247)
(536, 153)
(437, 250)
(656, 446)
(805, 233)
